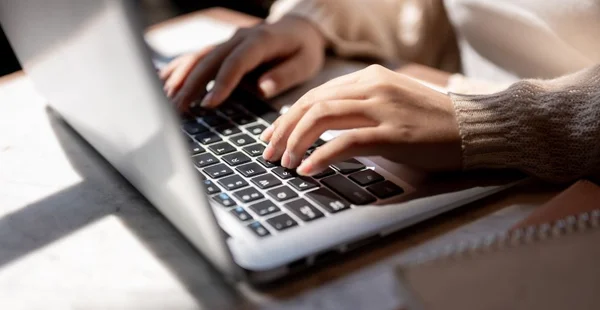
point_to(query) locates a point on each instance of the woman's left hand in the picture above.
(391, 115)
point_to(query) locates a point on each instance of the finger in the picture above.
(243, 59)
(178, 76)
(327, 88)
(330, 115)
(286, 122)
(166, 71)
(285, 75)
(195, 83)
(359, 142)
(180, 71)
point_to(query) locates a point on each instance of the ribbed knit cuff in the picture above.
(487, 125)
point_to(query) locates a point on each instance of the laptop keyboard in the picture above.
(262, 195)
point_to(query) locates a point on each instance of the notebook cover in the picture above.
(551, 260)
(583, 196)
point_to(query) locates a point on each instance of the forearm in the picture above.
(380, 29)
(550, 129)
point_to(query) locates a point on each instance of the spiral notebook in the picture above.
(551, 260)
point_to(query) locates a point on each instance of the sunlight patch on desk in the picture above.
(116, 269)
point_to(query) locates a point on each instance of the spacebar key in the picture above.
(348, 190)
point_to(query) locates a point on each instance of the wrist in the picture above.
(311, 29)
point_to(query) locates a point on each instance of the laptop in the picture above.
(253, 220)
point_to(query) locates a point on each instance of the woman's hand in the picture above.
(391, 114)
(294, 42)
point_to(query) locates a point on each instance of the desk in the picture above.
(74, 234)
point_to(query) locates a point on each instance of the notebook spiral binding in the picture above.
(571, 224)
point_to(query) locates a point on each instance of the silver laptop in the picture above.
(252, 219)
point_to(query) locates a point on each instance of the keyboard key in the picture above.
(241, 214)
(282, 193)
(243, 119)
(366, 177)
(194, 128)
(267, 164)
(262, 110)
(250, 170)
(270, 117)
(259, 229)
(204, 160)
(266, 181)
(348, 166)
(207, 138)
(210, 187)
(242, 140)
(284, 173)
(224, 200)
(385, 189)
(325, 173)
(230, 110)
(264, 208)
(248, 195)
(198, 111)
(228, 130)
(318, 143)
(256, 129)
(235, 159)
(218, 171)
(222, 148)
(348, 190)
(304, 183)
(214, 120)
(281, 222)
(195, 148)
(233, 182)
(256, 106)
(254, 150)
(328, 200)
(304, 210)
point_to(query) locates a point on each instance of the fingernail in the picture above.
(267, 133)
(170, 93)
(306, 168)
(207, 100)
(268, 152)
(268, 87)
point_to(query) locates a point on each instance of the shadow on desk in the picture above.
(69, 210)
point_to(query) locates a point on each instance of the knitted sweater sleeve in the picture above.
(547, 128)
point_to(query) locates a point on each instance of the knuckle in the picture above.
(385, 87)
(293, 143)
(375, 68)
(322, 109)
(277, 137)
(326, 111)
(263, 33)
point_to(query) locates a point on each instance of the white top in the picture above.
(498, 40)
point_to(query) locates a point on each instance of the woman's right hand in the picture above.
(297, 45)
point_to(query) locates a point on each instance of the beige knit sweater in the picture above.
(528, 92)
